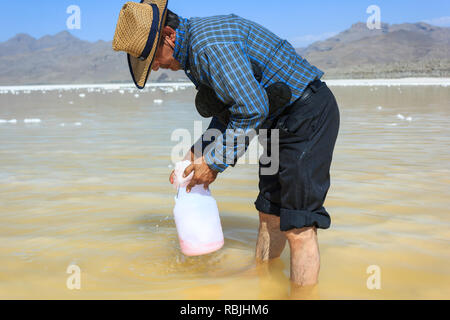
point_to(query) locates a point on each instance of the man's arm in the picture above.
(195, 154)
(198, 149)
(231, 77)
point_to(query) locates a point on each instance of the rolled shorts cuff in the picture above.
(297, 219)
(265, 206)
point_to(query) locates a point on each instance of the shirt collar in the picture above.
(181, 52)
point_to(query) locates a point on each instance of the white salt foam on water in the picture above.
(8, 121)
(92, 87)
(445, 82)
(402, 117)
(32, 121)
(158, 101)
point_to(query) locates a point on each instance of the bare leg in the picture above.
(305, 257)
(271, 241)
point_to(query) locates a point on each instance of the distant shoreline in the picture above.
(444, 82)
(105, 86)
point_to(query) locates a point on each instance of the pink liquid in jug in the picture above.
(196, 217)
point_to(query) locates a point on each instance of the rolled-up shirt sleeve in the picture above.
(232, 79)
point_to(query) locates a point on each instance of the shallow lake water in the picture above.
(84, 181)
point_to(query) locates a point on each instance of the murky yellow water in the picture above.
(97, 195)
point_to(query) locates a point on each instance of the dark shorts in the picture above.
(307, 135)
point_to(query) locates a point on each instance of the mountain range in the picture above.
(401, 50)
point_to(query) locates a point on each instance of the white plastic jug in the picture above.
(196, 216)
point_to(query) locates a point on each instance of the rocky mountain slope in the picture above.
(400, 50)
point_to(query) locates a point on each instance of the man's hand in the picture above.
(189, 156)
(203, 174)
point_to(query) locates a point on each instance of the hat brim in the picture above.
(140, 69)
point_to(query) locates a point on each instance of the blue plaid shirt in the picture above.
(218, 52)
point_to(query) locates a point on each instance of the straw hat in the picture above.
(138, 33)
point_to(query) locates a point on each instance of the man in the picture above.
(223, 54)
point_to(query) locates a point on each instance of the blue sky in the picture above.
(298, 21)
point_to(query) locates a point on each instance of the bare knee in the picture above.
(305, 256)
(302, 234)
